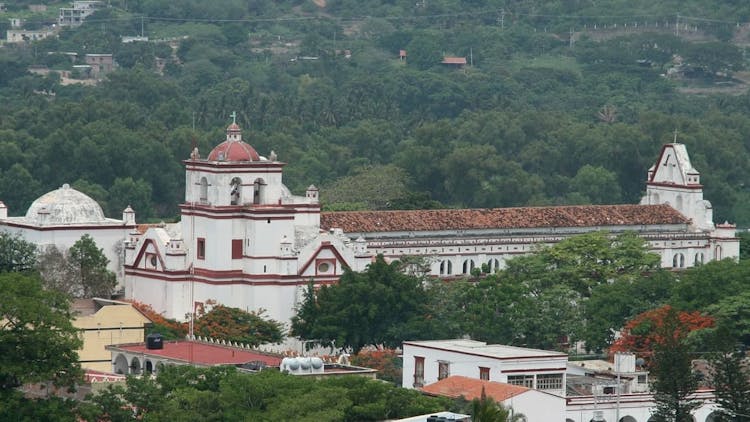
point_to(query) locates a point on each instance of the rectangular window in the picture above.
(200, 250)
(549, 382)
(443, 370)
(484, 373)
(236, 248)
(522, 380)
(642, 379)
(418, 371)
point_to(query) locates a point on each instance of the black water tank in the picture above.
(154, 341)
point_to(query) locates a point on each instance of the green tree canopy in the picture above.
(16, 254)
(378, 306)
(37, 339)
(89, 267)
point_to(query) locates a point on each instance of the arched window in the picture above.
(698, 259)
(493, 265)
(258, 191)
(235, 192)
(717, 253)
(628, 419)
(468, 266)
(678, 261)
(446, 268)
(678, 202)
(204, 190)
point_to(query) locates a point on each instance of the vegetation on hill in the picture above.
(533, 119)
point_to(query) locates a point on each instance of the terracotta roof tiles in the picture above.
(470, 388)
(501, 218)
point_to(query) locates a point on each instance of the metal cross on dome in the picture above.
(234, 117)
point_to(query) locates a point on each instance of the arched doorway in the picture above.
(121, 365)
(135, 366)
(627, 419)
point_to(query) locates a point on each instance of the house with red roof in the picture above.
(534, 405)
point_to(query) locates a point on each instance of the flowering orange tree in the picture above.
(386, 361)
(169, 328)
(645, 331)
(233, 324)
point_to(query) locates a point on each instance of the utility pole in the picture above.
(677, 26)
(570, 42)
(141, 26)
(471, 56)
(502, 19)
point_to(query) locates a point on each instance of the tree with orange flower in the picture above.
(660, 335)
(642, 333)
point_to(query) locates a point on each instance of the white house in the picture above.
(427, 362)
(529, 381)
(526, 403)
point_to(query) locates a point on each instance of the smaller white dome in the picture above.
(65, 206)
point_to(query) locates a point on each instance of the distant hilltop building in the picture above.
(80, 10)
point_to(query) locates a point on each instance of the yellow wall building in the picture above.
(106, 322)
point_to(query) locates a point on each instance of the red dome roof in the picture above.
(233, 149)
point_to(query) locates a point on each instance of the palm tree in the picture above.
(485, 409)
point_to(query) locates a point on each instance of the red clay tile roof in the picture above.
(470, 388)
(203, 354)
(501, 218)
(454, 60)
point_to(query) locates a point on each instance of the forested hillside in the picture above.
(560, 102)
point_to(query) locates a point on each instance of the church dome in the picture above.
(234, 148)
(65, 206)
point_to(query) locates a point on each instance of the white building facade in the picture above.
(61, 217)
(243, 240)
(426, 362)
(673, 218)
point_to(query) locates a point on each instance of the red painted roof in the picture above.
(456, 386)
(454, 60)
(233, 151)
(202, 353)
(501, 218)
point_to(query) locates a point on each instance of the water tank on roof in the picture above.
(154, 341)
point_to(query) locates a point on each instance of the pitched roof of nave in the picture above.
(234, 148)
(501, 218)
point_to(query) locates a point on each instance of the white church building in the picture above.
(244, 240)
